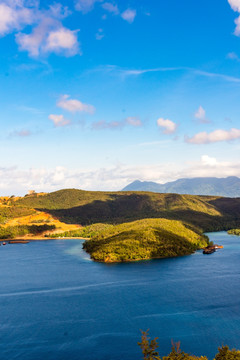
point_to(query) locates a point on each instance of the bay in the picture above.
(55, 303)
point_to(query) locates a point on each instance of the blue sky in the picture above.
(96, 94)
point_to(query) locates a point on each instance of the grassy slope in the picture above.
(86, 207)
(18, 220)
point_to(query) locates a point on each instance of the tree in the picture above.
(149, 347)
(224, 353)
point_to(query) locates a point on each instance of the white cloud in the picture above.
(74, 105)
(16, 181)
(33, 42)
(215, 136)
(210, 167)
(207, 160)
(85, 5)
(14, 17)
(46, 33)
(49, 36)
(235, 5)
(200, 115)
(111, 8)
(237, 29)
(59, 120)
(64, 40)
(168, 126)
(129, 15)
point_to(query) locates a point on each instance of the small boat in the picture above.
(209, 251)
(4, 243)
(18, 242)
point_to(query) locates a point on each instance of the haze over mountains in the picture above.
(228, 187)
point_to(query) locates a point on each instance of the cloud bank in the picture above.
(17, 182)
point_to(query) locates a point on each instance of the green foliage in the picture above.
(149, 351)
(234, 232)
(177, 354)
(142, 240)
(148, 347)
(85, 232)
(224, 353)
(11, 212)
(62, 199)
(108, 219)
(11, 232)
(208, 213)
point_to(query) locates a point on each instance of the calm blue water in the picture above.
(57, 304)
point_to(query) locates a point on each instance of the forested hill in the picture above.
(228, 187)
(88, 207)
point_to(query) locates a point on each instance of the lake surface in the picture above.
(57, 304)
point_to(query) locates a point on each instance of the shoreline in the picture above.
(43, 239)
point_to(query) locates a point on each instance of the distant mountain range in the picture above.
(228, 187)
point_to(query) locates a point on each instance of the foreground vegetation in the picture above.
(149, 350)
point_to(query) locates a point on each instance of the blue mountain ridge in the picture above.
(228, 187)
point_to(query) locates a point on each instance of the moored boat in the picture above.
(209, 251)
(18, 242)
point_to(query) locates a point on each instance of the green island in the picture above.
(144, 239)
(149, 351)
(120, 226)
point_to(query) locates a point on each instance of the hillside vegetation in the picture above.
(17, 221)
(234, 232)
(144, 239)
(126, 226)
(88, 207)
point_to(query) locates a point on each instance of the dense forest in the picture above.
(144, 239)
